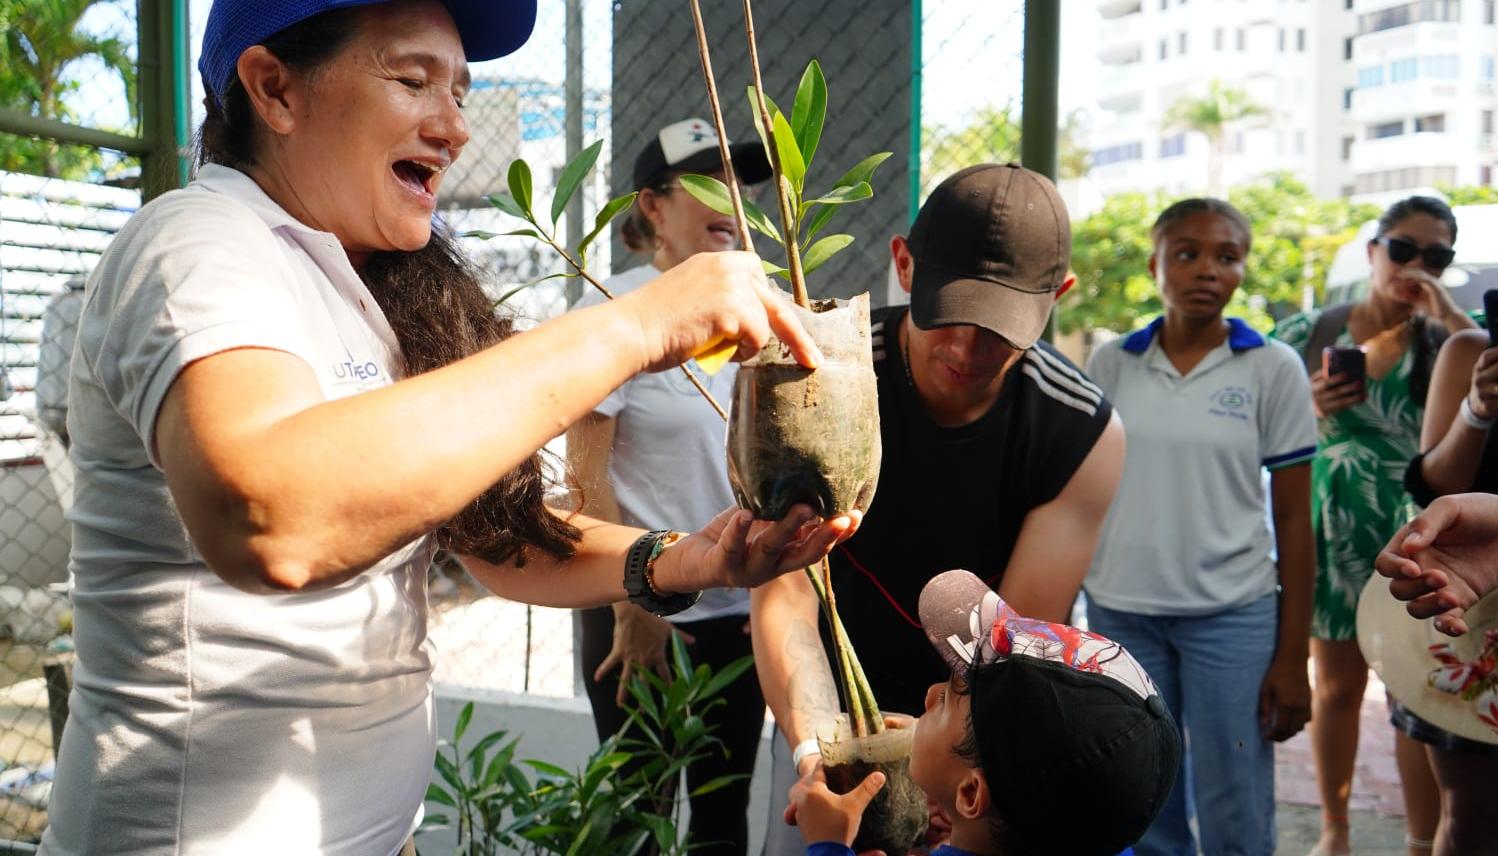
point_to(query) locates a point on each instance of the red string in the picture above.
(882, 590)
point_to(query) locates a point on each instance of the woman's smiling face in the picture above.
(366, 138)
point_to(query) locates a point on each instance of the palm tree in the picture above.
(41, 39)
(1210, 115)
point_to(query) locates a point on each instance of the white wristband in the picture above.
(1473, 419)
(804, 749)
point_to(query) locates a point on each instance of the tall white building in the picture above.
(1370, 99)
(1154, 52)
(1423, 98)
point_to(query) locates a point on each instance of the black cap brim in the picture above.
(750, 165)
(940, 298)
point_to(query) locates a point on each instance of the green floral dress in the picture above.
(1358, 498)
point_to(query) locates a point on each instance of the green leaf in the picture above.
(582, 838)
(863, 170)
(679, 656)
(498, 764)
(506, 203)
(601, 222)
(714, 194)
(772, 269)
(663, 829)
(520, 186)
(823, 250)
(437, 795)
(464, 717)
(449, 773)
(547, 769)
(480, 748)
(572, 176)
(717, 784)
(819, 219)
(524, 285)
(792, 165)
(843, 194)
(810, 111)
(434, 821)
(760, 222)
(728, 674)
(759, 125)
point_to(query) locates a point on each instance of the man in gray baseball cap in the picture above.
(999, 455)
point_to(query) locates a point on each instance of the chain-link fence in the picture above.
(60, 202)
(971, 69)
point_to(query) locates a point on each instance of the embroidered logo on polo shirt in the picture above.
(356, 371)
(1231, 402)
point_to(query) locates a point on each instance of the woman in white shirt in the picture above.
(652, 452)
(288, 390)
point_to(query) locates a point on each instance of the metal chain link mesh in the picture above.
(970, 85)
(73, 61)
(866, 58)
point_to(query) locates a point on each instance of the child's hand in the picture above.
(826, 816)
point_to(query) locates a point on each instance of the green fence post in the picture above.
(916, 61)
(1038, 111)
(163, 59)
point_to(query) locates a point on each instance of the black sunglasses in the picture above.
(1435, 256)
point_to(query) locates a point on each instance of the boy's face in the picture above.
(934, 763)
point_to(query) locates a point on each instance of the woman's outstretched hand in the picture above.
(736, 551)
(712, 298)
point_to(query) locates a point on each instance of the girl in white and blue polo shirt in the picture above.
(1184, 575)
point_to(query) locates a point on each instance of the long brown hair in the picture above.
(432, 298)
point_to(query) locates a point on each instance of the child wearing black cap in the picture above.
(1045, 739)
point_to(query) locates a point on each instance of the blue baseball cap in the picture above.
(489, 29)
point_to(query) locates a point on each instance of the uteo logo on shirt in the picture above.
(356, 371)
(1232, 402)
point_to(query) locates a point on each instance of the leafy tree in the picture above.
(1295, 237)
(1473, 195)
(41, 39)
(1210, 115)
(993, 136)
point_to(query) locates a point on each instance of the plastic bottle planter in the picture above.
(897, 818)
(808, 436)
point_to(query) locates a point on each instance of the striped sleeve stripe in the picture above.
(1066, 377)
(1299, 456)
(1060, 395)
(876, 339)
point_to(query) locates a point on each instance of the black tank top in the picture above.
(952, 498)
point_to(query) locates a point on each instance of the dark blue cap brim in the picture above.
(489, 29)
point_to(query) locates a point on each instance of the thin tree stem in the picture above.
(582, 272)
(729, 178)
(788, 221)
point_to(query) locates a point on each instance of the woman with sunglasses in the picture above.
(1368, 431)
(652, 453)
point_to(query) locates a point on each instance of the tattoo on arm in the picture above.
(811, 691)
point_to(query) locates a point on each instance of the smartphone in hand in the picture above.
(1345, 360)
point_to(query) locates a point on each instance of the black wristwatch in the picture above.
(637, 583)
